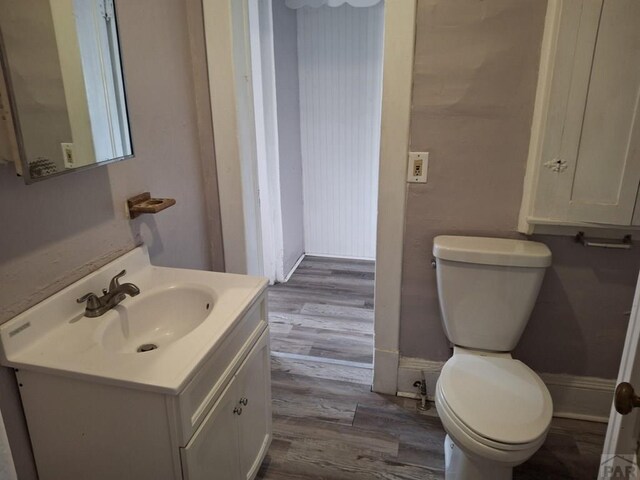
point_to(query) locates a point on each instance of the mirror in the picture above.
(63, 76)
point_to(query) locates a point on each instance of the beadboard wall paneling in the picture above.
(340, 71)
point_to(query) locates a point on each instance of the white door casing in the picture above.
(623, 430)
(226, 26)
(268, 150)
(397, 80)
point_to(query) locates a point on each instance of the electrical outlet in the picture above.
(67, 154)
(418, 165)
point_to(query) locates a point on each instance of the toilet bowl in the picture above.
(496, 410)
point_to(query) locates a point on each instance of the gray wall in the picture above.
(285, 39)
(61, 229)
(474, 88)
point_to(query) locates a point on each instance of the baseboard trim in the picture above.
(576, 397)
(293, 269)
(385, 371)
(581, 398)
(340, 257)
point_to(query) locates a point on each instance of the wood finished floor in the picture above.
(325, 310)
(327, 424)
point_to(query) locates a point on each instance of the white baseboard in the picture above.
(412, 369)
(293, 269)
(583, 398)
(341, 257)
(385, 371)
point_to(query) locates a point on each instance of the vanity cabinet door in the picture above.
(213, 451)
(254, 424)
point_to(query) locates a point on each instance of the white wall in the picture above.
(285, 33)
(340, 69)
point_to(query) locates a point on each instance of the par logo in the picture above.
(619, 467)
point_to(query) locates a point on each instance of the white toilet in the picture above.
(495, 409)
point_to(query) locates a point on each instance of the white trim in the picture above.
(219, 44)
(262, 168)
(538, 124)
(296, 4)
(343, 257)
(293, 269)
(576, 397)
(267, 154)
(622, 431)
(581, 398)
(412, 369)
(385, 371)
(399, 43)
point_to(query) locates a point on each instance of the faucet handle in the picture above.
(92, 300)
(114, 283)
(85, 297)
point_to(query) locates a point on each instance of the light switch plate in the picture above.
(418, 166)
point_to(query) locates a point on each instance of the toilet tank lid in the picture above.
(491, 251)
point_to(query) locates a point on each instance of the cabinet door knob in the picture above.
(244, 401)
(237, 410)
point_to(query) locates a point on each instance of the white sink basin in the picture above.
(152, 321)
(184, 314)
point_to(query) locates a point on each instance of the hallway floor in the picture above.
(327, 424)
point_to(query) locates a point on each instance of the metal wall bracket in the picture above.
(625, 243)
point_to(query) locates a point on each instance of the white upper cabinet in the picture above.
(584, 157)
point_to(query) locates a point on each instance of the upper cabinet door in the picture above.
(607, 168)
(584, 156)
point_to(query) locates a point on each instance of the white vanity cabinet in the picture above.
(217, 427)
(233, 438)
(584, 157)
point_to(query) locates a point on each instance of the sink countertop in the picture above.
(55, 337)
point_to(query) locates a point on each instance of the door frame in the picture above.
(268, 148)
(622, 430)
(228, 53)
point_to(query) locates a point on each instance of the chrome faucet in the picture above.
(97, 306)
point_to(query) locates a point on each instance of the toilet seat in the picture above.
(449, 417)
(496, 400)
(475, 446)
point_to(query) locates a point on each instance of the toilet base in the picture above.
(459, 466)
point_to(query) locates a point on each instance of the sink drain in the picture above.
(147, 347)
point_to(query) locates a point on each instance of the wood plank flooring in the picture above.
(328, 424)
(325, 310)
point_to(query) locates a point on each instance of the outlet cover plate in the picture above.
(418, 166)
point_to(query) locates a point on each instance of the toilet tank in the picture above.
(487, 288)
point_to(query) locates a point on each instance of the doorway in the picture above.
(227, 25)
(317, 83)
